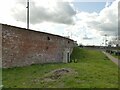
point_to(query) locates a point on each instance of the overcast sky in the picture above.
(85, 22)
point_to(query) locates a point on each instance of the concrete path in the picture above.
(115, 60)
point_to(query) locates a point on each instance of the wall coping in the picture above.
(38, 31)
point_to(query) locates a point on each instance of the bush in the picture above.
(75, 60)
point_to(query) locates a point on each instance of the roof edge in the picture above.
(37, 31)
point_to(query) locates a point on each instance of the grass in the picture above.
(93, 70)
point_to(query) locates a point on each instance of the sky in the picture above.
(83, 21)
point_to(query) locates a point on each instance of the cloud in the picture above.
(58, 12)
(57, 18)
(95, 25)
(108, 3)
(119, 19)
(49, 27)
(105, 22)
(86, 38)
(108, 19)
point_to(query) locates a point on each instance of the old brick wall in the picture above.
(21, 47)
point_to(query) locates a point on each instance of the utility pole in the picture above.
(27, 14)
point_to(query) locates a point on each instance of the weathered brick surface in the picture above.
(21, 47)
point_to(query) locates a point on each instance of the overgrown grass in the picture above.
(93, 70)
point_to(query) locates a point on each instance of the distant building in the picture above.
(22, 47)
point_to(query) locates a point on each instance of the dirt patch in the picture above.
(57, 74)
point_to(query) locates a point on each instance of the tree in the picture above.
(115, 42)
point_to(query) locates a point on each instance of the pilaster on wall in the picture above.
(66, 58)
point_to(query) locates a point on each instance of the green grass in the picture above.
(93, 70)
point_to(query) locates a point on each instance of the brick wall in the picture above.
(21, 47)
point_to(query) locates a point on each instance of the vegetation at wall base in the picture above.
(92, 70)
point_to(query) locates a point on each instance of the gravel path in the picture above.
(115, 60)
